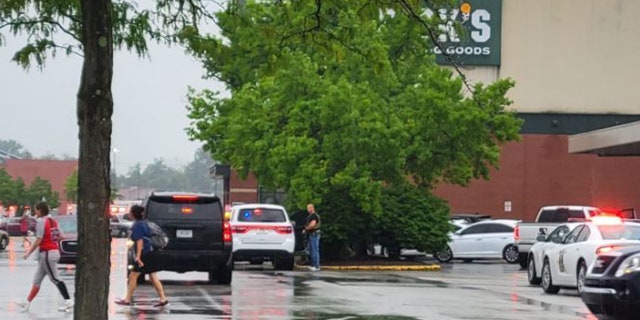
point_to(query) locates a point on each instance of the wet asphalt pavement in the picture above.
(485, 290)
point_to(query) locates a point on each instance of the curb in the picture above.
(432, 267)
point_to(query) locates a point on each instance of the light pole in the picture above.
(115, 175)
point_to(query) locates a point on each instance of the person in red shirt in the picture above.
(47, 236)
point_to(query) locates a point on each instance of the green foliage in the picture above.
(40, 190)
(412, 218)
(54, 26)
(332, 102)
(71, 187)
(15, 192)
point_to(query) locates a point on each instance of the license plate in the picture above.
(262, 231)
(184, 234)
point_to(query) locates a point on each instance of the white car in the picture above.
(488, 239)
(262, 232)
(565, 266)
(540, 248)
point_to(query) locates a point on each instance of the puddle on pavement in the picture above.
(314, 315)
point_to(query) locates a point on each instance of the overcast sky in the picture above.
(38, 108)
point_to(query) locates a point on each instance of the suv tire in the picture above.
(221, 276)
(284, 263)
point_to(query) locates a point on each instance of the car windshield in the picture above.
(68, 225)
(261, 215)
(620, 232)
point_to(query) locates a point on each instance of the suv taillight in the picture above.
(284, 230)
(516, 233)
(239, 229)
(226, 231)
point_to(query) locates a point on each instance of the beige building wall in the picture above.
(570, 56)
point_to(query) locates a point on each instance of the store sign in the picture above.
(469, 34)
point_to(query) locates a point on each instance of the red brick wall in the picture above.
(55, 171)
(534, 172)
(539, 171)
(243, 190)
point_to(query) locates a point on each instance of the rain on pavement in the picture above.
(485, 290)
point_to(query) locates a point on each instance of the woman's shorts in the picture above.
(149, 260)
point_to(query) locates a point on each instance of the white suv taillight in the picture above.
(239, 229)
(516, 233)
(284, 230)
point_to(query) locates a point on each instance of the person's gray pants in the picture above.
(48, 266)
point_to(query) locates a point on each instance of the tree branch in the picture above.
(432, 35)
(56, 24)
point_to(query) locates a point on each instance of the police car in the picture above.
(262, 232)
(565, 266)
(539, 249)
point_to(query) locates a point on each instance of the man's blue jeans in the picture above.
(314, 249)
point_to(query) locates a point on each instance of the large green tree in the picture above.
(92, 29)
(333, 100)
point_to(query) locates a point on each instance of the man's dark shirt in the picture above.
(312, 217)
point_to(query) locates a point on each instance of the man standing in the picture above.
(312, 229)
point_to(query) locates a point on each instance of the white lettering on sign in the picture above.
(478, 21)
(480, 28)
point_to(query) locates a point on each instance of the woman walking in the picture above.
(144, 259)
(47, 237)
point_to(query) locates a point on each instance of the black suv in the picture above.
(199, 237)
(612, 285)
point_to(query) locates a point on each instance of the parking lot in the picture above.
(479, 290)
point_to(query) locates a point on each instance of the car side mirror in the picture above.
(458, 233)
(541, 237)
(542, 231)
(556, 240)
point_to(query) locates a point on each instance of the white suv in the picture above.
(263, 232)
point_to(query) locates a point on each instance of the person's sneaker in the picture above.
(24, 306)
(314, 268)
(67, 306)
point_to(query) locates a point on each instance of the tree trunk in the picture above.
(95, 107)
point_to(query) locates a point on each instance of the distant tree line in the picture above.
(158, 175)
(193, 177)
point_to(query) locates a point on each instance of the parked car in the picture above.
(199, 237)
(540, 248)
(489, 239)
(14, 226)
(469, 218)
(119, 225)
(565, 266)
(263, 232)
(3, 223)
(68, 224)
(4, 240)
(612, 285)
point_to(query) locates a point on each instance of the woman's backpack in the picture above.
(157, 237)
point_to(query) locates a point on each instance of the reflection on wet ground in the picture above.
(487, 290)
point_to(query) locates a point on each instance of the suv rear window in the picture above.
(200, 208)
(261, 215)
